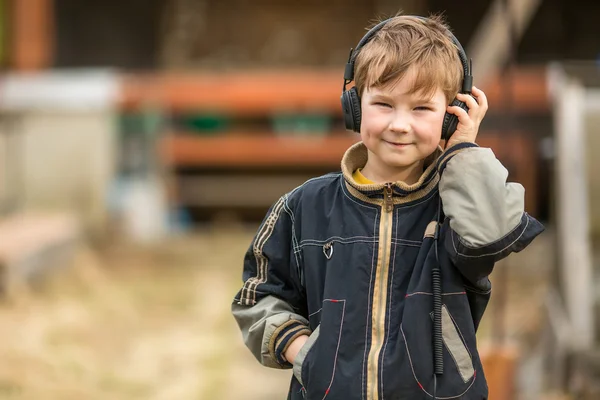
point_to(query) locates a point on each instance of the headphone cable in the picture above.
(438, 358)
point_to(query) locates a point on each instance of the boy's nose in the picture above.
(400, 123)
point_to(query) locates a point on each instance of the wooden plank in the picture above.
(516, 150)
(32, 34)
(236, 93)
(500, 366)
(528, 91)
(505, 21)
(267, 92)
(243, 151)
(218, 190)
(263, 149)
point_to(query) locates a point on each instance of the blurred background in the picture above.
(133, 136)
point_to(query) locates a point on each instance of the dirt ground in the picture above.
(133, 322)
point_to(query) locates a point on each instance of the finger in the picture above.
(468, 100)
(462, 115)
(481, 97)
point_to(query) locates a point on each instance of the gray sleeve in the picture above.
(269, 307)
(481, 205)
(268, 328)
(485, 216)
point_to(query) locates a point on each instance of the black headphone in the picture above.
(351, 99)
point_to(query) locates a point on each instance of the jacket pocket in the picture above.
(301, 357)
(454, 344)
(317, 369)
(459, 355)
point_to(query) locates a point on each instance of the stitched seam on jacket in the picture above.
(510, 232)
(248, 293)
(460, 333)
(337, 350)
(289, 211)
(395, 243)
(373, 259)
(344, 191)
(316, 312)
(463, 344)
(431, 294)
(424, 200)
(417, 380)
(448, 154)
(343, 184)
(488, 254)
(389, 309)
(370, 287)
(477, 291)
(370, 238)
(331, 176)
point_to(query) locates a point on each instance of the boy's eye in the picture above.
(380, 104)
(423, 108)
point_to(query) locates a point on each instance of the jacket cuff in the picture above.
(451, 152)
(476, 263)
(283, 337)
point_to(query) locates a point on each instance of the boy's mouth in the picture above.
(398, 145)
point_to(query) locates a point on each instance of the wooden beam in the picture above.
(500, 365)
(238, 151)
(318, 91)
(491, 44)
(247, 150)
(224, 190)
(31, 34)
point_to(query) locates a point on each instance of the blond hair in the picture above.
(407, 41)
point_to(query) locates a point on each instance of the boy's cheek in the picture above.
(364, 134)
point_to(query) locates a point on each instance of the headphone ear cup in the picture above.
(351, 109)
(451, 121)
(347, 111)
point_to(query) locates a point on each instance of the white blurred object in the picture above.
(144, 210)
(572, 203)
(61, 90)
(65, 126)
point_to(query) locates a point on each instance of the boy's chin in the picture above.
(404, 162)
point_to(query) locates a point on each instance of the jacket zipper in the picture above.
(388, 199)
(380, 293)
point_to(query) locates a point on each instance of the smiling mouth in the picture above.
(398, 144)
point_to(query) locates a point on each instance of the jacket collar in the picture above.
(356, 157)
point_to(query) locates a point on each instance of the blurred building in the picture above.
(227, 88)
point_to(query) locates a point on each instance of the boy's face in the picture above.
(401, 129)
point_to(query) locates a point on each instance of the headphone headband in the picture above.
(350, 98)
(349, 69)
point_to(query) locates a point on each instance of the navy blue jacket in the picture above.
(351, 266)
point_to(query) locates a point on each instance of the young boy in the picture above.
(350, 280)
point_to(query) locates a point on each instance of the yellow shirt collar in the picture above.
(360, 178)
